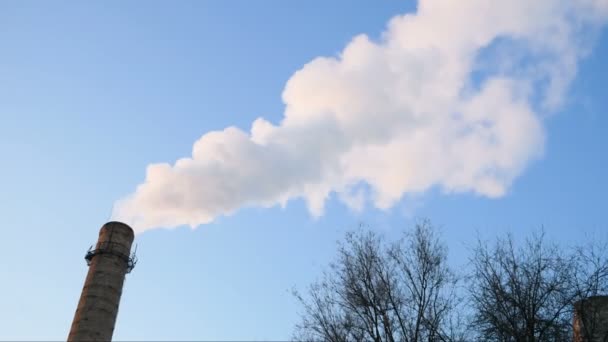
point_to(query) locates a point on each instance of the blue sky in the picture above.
(92, 93)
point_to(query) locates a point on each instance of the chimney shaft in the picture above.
(108, 263)
(591, 319)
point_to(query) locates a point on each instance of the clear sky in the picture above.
(93, 92)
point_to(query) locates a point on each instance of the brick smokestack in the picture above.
(591, 319)
(108, 263)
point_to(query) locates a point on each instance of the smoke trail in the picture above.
(450, 97)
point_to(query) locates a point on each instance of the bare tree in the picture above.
(384, 292)
(527, 294)
(590, 275)
(405, 291)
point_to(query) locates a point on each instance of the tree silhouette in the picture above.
(377, 291)
(405, 291)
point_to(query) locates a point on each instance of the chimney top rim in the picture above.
(117, 223)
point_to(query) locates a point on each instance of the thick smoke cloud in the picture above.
(450, 97)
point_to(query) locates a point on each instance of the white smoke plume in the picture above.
(450, 97)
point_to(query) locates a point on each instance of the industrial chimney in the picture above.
(108, 264)
(591, 319)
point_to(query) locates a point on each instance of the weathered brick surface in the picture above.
(591, 320)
